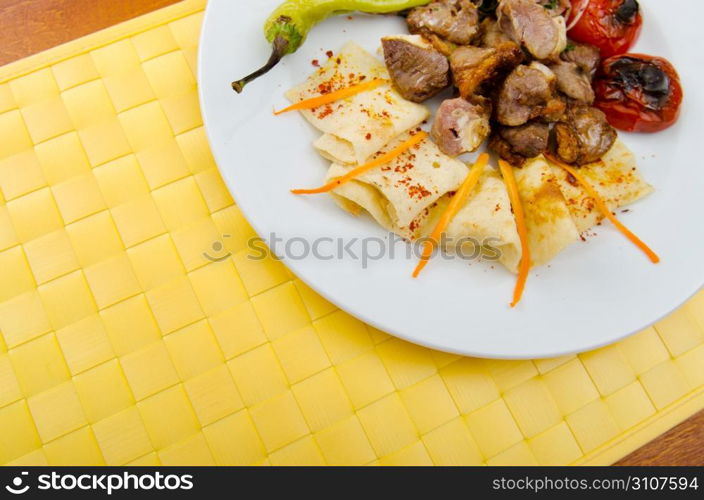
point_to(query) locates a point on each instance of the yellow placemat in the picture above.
(122, 344)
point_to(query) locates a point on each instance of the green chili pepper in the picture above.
(288, 26)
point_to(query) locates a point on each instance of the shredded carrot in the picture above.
(519, 215)
(457, 202)
(381, 160)
(324, 99)
(604, 209)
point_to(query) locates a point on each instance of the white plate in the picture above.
(593, 294)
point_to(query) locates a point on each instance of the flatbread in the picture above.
(486, 220)
(397, 193)
(548, 219)
(366, 122)
(335, 149)
(615, 177)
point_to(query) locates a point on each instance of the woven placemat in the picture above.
(122, 344)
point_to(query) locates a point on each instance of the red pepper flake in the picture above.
(315, 63)
(368, 137)
(329, 53)
(402, 169)
(571, 179)
(362, 78)
(418, 191)
(338, 60)
(326, 112)
(350, 18)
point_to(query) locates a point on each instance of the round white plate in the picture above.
(592, 294)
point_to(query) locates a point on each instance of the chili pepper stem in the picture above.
(279, 50)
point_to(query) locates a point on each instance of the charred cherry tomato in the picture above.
(611, 25)
(638, 93)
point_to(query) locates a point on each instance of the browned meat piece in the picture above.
(491, 34)
(417, 70)
(441, 45)
(528, 93)
(503, 149)
(460, 126)
(531, 25)
(528, 140)
(585, 56)
(572, 82)
(516, 144)
(474, 66)
(457, 21)
(575, 70)
(583, 136)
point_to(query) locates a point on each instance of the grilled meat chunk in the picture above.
(417, 70)
(583, 135)
(575, 70)
(585, 56)
(516, 144)
(531, 25)
(528, 93)
(472, 67)
(460, 126)
(456, 21)
(491, 34)
(573, 82)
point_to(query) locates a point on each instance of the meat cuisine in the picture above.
(473, 67)
(583, 135)
(545, 104)
(461, 126)
(517, 144)
(417, 69)
(529, 23)
(528, 93)
(518, 63)
(456, 21)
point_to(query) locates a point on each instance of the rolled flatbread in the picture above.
(397, 193)
(615, 177)
(364, 123)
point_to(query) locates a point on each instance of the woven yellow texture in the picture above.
(122, 344)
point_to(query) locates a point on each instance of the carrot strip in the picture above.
(519, 215)
(318, 101)
(457, 202)
(604, 209)
(383, 159)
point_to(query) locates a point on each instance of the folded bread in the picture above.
(361, 125)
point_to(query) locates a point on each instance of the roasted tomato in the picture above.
(638, 93)
(611, 25)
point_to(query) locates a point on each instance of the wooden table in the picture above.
(30, 26)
